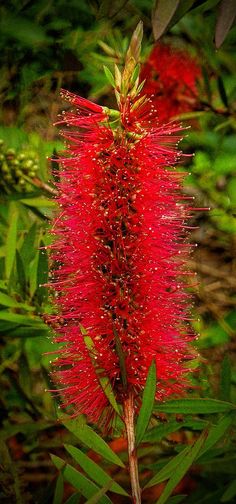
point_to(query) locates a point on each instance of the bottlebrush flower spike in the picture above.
(120, 252)
(171, 75)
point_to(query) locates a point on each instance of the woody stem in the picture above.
(132, 452)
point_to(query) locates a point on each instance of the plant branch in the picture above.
(132, 452)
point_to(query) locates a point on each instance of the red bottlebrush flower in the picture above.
(120, 253)
(171, 76)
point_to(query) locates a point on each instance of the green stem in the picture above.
(132, 452)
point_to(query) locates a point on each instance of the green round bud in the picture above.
(18, 172)
(10, 153)
(8, 178)
(31, 173)
(15, 162)
(27, 164)
(5, 167)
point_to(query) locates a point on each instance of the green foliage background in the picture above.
(44, 46)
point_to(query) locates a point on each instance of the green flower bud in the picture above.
(18, 172)
(5, 167)
(8, 178)
(27, 164)
(31, 173)
(10, 153)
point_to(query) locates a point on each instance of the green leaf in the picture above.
(135, 74)
(104, 381)
(169, 469)
(225, 379)
(96, 498)
(91, 439)
(222, 91)
(42, 274)
(59, 490)
(20, 319)
(182, 8)
(78, 480)
(162, 430)
(176, 499)
(21, 272)
(182, 468)
(3, 284)
(108, 391)
(33, 274)
(74, 499)
(11, 239)
(216, 432)
(162, 14)
(28, 250)
(229, 493)
(28, 332)
(109, 76)
(38, 202)
(195, 406)
(6, 300)
(94, 471)
(147, 403)
(225, 19)
(24, 30)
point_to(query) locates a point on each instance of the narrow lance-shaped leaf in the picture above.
(182, 9)
(78, 480)
(222, 90)
(229, 493)
(94, 471)
(42, 273)
(8, 301)
(195, 406)
(91, 439)
(182, 468)
(225, 379)
(74, 499)
(21, 273)
(109, 76)
(27, 249)
(225, 19)
(58, 495)
(11, 239)
(162, 430)
(169, 469)
(107, 388)
(21, 319)
(214, 435)
(97, 497)
(162, 14)
(147, 403)
(216, 432)
(38, 202)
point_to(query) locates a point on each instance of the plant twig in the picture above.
(132, 452)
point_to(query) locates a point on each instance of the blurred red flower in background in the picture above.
(171, 76)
